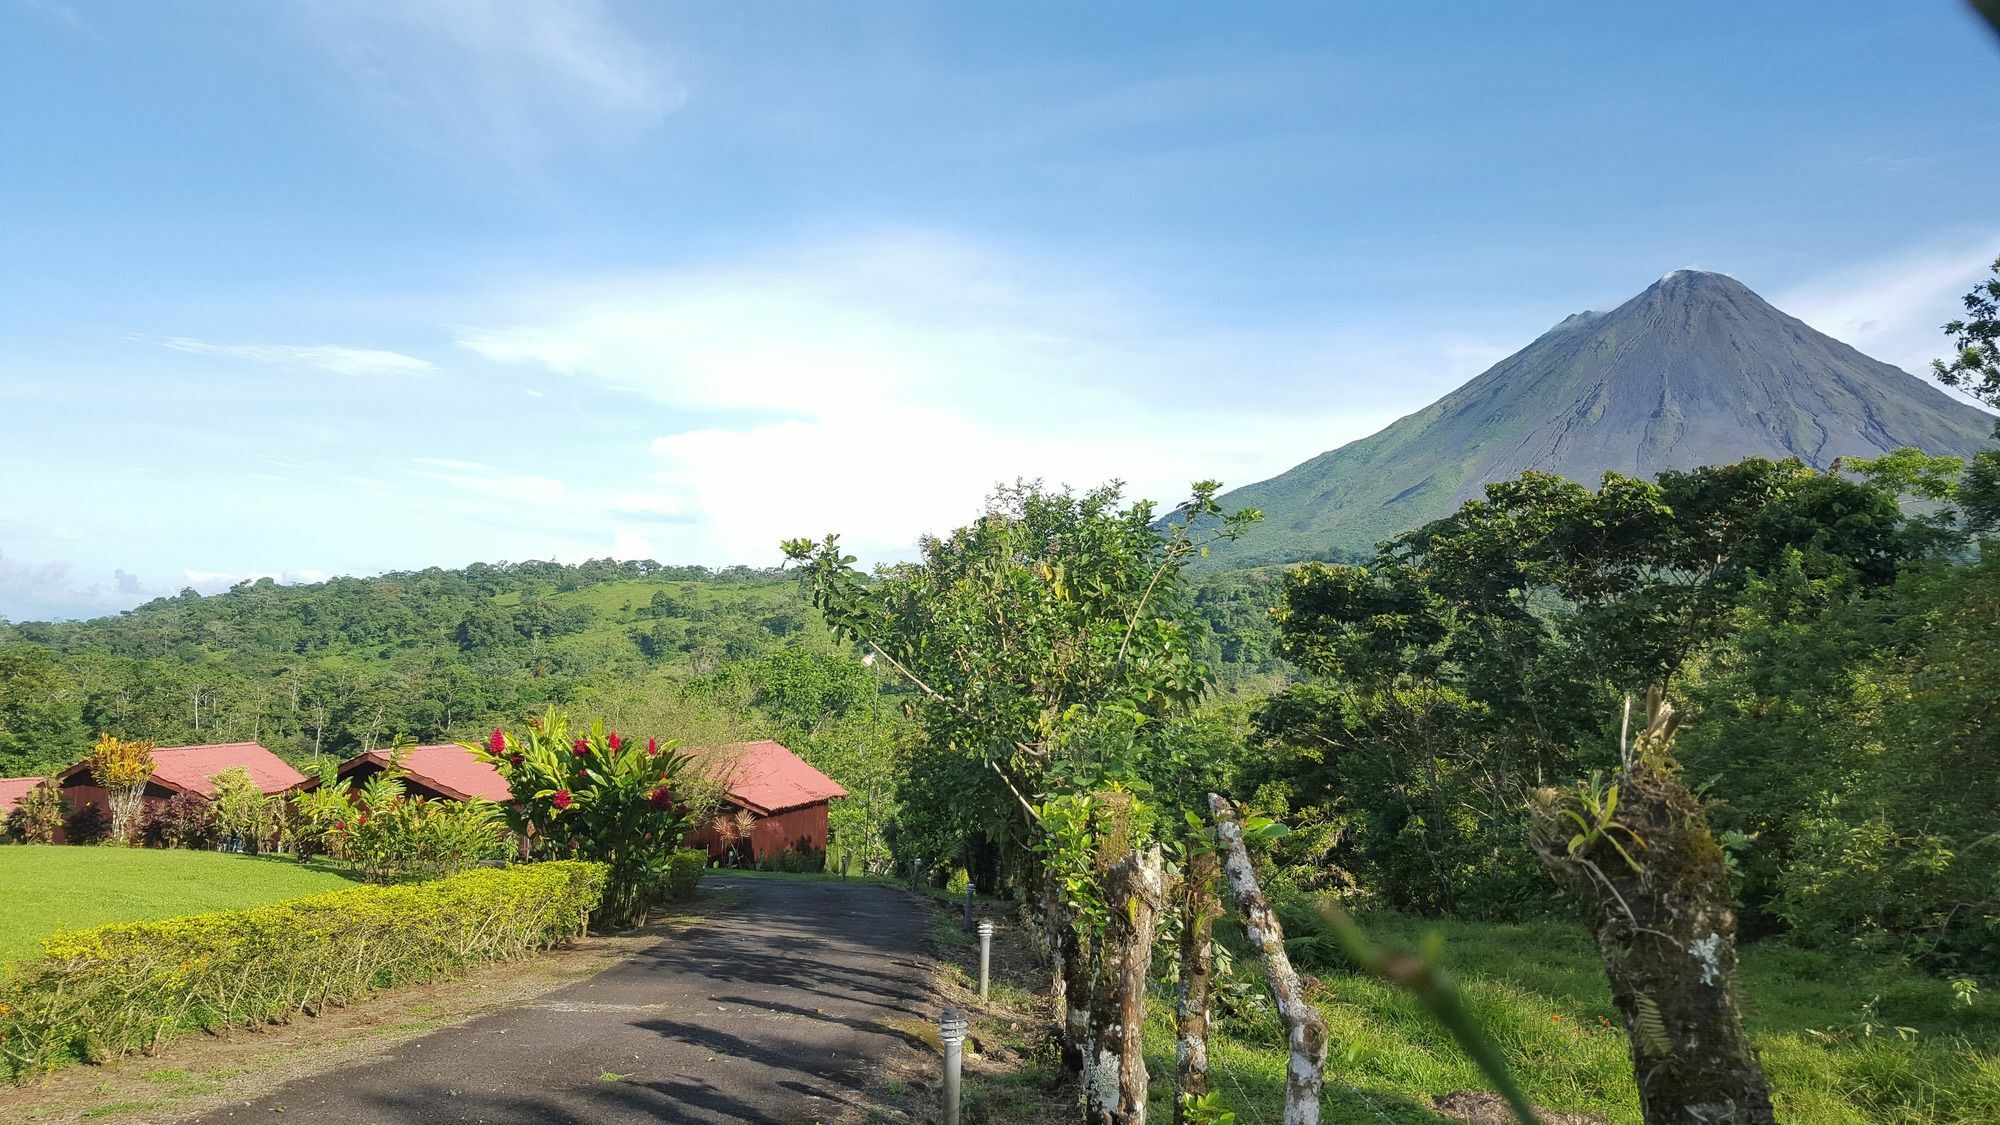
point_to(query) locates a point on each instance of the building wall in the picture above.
(797, 830)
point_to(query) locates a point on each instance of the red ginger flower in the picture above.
(498, 742)
(652, 747)
(514, 759)
(580, 748)
(561, 799)
(612, 740)
(661, 798)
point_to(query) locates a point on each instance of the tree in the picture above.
(1473, 660)
(1638, 851)
(1975, 368)
(41, 719)
(1049, 644)
(121, 768)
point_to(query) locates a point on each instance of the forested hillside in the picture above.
(332, 667)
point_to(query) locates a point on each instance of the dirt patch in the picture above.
(192, 1075)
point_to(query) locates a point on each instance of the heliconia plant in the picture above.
(598, 795)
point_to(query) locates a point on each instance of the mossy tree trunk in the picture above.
(1199, 907)
(1115, 1080)
(1639, 853)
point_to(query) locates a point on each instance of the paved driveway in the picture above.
(775, 1009)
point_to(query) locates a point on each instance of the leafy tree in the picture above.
(121, 768)
(1471, 661)
(1049, 645)
(40, 712)
(1975, 368)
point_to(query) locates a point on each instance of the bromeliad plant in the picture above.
(594, 794)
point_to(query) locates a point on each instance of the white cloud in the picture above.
(507, 76)
(1894, 308)
(494, 484)
(881, 387)
(331, 358)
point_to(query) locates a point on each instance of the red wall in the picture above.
(802, 829)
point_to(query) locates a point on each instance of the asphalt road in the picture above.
(775, 1009)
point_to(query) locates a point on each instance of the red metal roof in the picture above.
(767, 778)
(12, 789)
(451, 770)
(186, 769)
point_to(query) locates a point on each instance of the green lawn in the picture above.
(66, 888)
(1540, 993)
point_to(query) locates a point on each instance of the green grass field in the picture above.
(66, 888)
(1827, 1027)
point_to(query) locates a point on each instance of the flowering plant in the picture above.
(598, 795)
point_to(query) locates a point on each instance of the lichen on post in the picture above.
(1115, 1079)
(1199, 907)
(1637, 850)
(1305, 1031)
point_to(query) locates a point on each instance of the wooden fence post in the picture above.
(1198, 908)
(1114, 1081)
(1305, 1031)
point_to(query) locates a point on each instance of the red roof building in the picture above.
(785, 799)
(444, 771)
(191, 769)
(12, 789)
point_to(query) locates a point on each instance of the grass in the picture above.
(50, 888)
(1540, 993)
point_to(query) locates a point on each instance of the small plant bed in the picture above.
(55, 888)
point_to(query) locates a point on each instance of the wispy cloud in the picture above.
(331, 358)
(1893, 307)
(504, 75)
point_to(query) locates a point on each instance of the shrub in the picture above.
(391, 836)
(103, 993)
(684, 870)
(86, 825)
(591, 794)
(244, 814)
(184, 821)
(39, 815)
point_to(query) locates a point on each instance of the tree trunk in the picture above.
(1070, 981)
(1305, 1031)
(1199, 908)
(1657, 893)
(1114, 1086)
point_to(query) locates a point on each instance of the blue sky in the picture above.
(316, 288)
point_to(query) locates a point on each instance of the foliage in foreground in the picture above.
(103, 993)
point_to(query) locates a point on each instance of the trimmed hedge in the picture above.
(102, 993)
(684, 869)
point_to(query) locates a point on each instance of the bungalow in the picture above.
(440, 772)
(786, 800)
(187, 769)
